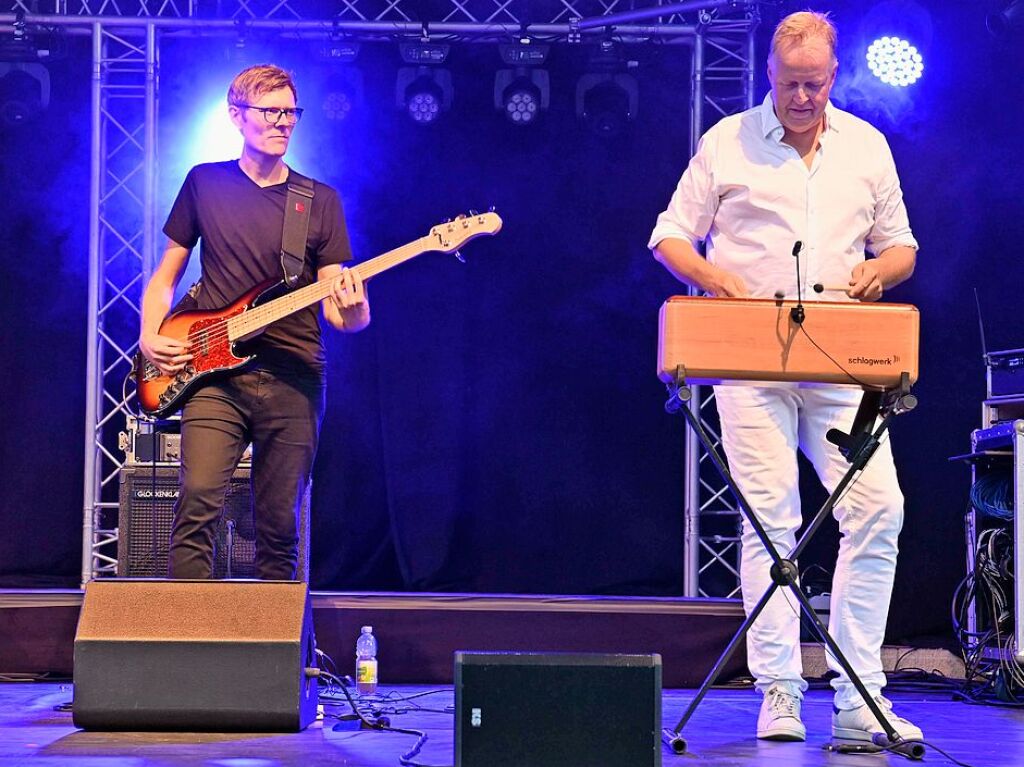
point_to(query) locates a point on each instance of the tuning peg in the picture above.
(458, 255)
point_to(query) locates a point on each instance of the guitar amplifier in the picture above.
(146, 514)
(158, 446)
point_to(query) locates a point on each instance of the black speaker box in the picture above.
(211, 656)
(146, 513)
(557, 710)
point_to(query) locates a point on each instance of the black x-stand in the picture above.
(857, 447)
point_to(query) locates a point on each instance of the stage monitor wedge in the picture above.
(202, 656)
(557, 710)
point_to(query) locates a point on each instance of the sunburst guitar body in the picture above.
(211, 345)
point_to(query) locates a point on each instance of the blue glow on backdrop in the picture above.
(894, 61)
(883, 51)
(196, 128)
(216, 138)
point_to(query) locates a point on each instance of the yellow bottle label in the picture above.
(366, 671)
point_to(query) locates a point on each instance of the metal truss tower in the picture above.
(121, 256)
(723, 84)
(125, 37)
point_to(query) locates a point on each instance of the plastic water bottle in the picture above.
(366, 662)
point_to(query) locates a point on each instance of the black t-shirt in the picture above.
(239, 225)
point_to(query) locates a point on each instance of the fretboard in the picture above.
(261, 316)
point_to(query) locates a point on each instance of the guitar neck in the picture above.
(259, 317)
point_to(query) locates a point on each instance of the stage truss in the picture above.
(125, 37)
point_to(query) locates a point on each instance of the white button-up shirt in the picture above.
(753, 198)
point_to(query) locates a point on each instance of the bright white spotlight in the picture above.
(216, 138)
(895, 62)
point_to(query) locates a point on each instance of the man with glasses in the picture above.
(236, 211)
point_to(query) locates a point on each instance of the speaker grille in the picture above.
(146, 514)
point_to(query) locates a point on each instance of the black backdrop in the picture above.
(499, 427)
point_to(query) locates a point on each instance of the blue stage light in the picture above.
(424, 93)
(894, 61)
(337, 105)
(424, 106)
(522, 103)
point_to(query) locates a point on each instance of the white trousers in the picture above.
(762, 427)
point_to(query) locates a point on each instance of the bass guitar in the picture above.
(213, 335)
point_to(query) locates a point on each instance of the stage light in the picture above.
(522, 103)
(24, 91)
(425, 89)
(344, 95)
(343, 86)
(338, 51)
(894, 61)
(424, 92)
(337, 105)
(216, 137)
(607, 102)
(522, 94)
(24, 81)
(1009, 20)
(424, 54)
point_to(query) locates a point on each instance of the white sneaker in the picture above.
(780, 716)
(860, 724)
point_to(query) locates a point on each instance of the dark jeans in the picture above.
(280, 414)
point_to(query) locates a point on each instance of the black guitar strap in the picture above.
(296, 227)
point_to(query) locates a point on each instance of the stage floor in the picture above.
(721, 733)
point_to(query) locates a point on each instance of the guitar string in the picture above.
(384, 261)
(366, 270)
(253, 316)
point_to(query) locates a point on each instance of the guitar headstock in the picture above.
(452, 235)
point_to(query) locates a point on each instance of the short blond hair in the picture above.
(251, 83)
(802, 26)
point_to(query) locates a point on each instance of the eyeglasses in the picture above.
(273, 115)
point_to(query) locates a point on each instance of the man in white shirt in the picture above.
(798, 173)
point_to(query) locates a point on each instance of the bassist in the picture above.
(236, 212)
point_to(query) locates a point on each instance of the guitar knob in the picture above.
(473, 212)
(491, 209)
(458, 255)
